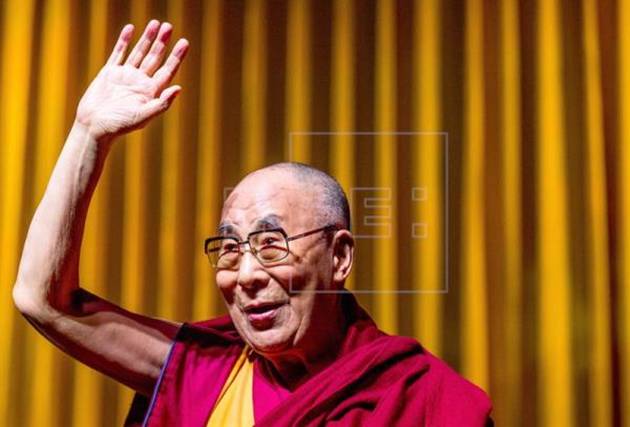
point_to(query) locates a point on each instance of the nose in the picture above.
(251, 275)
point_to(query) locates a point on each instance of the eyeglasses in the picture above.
(268, 246)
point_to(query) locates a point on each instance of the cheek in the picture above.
(288, 277)
(226, 282)
(302, 305)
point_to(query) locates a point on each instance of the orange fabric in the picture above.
(235, 406)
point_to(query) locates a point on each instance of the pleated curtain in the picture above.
(499, 129)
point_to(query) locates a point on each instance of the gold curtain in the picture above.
(532, 240)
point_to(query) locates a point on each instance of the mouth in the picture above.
(261, 315)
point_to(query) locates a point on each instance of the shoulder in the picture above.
(451, 399)
(414, 386)
(202, 347)
(201, 357)
(433, 391)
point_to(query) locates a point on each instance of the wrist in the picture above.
(87, 146)
(91, 134)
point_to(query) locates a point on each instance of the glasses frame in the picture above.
(247, 241)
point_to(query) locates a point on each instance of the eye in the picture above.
(269, 240)
(229, 246)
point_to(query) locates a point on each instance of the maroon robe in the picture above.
(377, 380)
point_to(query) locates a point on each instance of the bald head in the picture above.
(332, 205)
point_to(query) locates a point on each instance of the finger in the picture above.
(121, 45)
(142, 47)
(152, 61)
(161, 103)
(166, 72)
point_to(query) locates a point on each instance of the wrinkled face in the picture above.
(266, 314)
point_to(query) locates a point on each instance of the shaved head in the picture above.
(332, 208)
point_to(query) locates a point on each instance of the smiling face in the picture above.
(269, 317)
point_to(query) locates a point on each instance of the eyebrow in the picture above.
(268, 221)
(264, 223)
(226, 229)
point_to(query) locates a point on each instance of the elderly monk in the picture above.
(296, 348)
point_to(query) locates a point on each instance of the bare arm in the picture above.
(127, 93)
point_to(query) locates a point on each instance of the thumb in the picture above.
(170, 93)
(161, 103)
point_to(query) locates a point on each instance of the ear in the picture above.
(343, 257)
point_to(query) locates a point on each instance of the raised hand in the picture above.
(127, 93)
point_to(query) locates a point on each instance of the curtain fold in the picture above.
(483, 146)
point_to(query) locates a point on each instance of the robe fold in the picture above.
(376, 380)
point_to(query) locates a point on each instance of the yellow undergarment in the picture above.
(235, 406)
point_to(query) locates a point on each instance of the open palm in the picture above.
(126, 95)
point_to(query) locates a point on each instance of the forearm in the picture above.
(48, 271)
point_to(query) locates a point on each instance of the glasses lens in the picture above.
(269, 246)
(223, 253)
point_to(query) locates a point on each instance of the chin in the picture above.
(269, 342)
